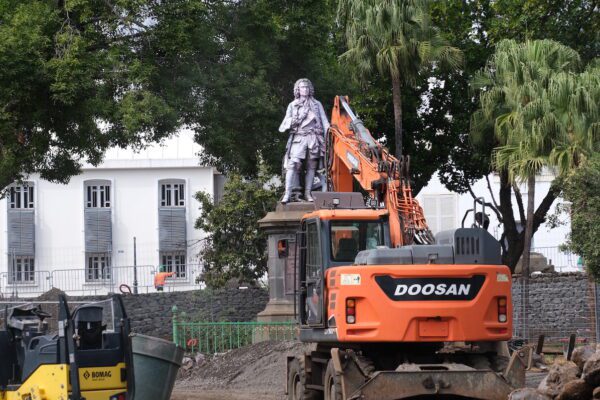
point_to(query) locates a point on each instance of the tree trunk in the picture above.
(528, 226)
(514, 243)
(513, 238)
(397, 99)
(525, 261)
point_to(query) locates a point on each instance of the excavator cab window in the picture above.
(314, 276)
(350, 237)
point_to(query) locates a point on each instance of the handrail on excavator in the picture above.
(357, 126)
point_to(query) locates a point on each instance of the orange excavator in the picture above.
(389, 310)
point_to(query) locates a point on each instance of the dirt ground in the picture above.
(253, 372)
(249, 373)
(204, 394)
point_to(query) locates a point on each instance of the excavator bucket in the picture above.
(448, 379)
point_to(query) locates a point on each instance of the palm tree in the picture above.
(396, 38)
(576, 103)
(543, 113)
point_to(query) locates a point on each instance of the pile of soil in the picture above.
(256, 371)
(259, 368)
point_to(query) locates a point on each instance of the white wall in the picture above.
(59, 230)
(545, 240)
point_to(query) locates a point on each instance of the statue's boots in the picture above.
(309, 179)
(290, 178)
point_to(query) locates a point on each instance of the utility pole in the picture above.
(597, 308)
(13, 276)
(135, 280)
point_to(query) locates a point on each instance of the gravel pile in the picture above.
(259, 368)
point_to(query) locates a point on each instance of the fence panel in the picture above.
(126, 275)
(218, 337)
(188, 277)
(76, 282)
(556, 308)
(24, 284)
(563, 261)
(83, 282)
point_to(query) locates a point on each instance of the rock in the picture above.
(576, 390)
(537, 262)
(559, 374)
(187, 363)
(527, 394)
(591, 370)
(582, 354)
(537, 360)
(199, 358)
(596, 393)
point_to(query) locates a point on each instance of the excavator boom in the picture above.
(355, 156)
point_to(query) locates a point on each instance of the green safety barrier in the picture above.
(218, 337)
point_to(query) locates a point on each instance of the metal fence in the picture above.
(82, 282)
(562, 261)
(546, 306)
(29, 285)
(218, 337)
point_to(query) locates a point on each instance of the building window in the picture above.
(97, 195)
(21, 197)
(172, 194)
(174, 262)
(440, 212)
(22, 269)
(97, 267)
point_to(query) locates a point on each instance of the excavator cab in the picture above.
(339, 228)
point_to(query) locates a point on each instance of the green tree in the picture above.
(541, 113)
(396, 38)
(582, 189)
(573, 23)
(476, 27)
(264, 47)
(235, 247)
(81, 76)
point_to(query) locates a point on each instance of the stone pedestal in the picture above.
(282, 224)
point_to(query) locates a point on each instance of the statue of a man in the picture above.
(306, 120)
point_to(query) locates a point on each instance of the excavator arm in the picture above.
(354, 157)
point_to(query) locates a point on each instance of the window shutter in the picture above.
(440, 212)
(172, 232)
(21, 232)
(98, 230)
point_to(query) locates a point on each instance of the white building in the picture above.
(79, 237)
(445, 210)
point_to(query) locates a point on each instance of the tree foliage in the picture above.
(264, 46)
(476, 27)
(582, 189)
(80, 76)
(235, 247)
(397, 39)
(541, 113)
(573, 23)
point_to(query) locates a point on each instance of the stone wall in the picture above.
(560, 304)
(151, 313)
